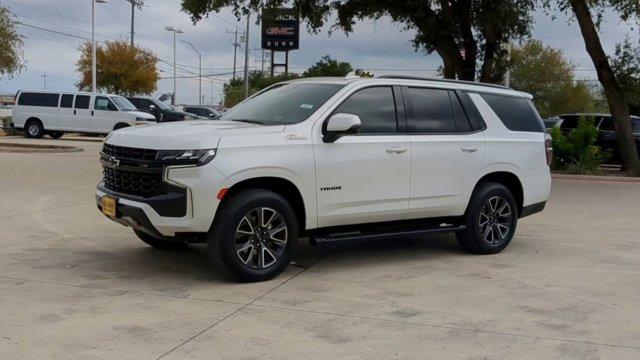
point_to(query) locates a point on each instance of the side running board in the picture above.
(383, 234)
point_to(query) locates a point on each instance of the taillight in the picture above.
(548, 148)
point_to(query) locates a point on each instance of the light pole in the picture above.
(199, 70)
(246, 58)
(93, 42)
(45, 76)
(175, 31)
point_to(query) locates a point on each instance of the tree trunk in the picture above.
(618, 104)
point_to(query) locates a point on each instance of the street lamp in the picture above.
(93, 42)
(175, 31)
(199, 70)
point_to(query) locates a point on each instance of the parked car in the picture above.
(607, 138)
(202, 111)
(54, 113)
(162, 111)
(549, 123)
(334, 160)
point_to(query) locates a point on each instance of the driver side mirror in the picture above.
(340, 124)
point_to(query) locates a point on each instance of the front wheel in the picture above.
(491, 219)
(253, 236)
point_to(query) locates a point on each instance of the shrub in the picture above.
(5, 126)
(577, 152)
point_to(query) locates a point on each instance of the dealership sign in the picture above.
(280, 29)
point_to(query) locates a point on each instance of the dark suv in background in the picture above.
(162, 111)
(203, 111)
(607, 139)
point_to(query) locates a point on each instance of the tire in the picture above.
(161, 244)
(490, 224)
(253, 235)
(55, 134)
(33, 129)
(120, 126)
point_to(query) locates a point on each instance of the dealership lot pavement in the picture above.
(74, 285)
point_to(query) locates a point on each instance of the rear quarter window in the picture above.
(517, 114)
(38, 99)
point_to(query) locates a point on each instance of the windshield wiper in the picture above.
(249, 121)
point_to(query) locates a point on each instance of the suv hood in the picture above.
(185, 135)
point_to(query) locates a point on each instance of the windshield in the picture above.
(282, 105)
(123, 104)
(162, 105)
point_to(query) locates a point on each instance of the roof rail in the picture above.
(408, 77)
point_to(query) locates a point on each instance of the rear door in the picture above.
(448, 152)
(103, 114)
(66, 112)
(82, 114)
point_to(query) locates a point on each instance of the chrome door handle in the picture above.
(396, 150)
(469, 149)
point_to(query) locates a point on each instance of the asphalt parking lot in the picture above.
(74, 285)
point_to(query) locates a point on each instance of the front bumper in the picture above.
(195, 209)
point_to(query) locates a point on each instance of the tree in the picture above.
(616, 98)
(545, 73)
(121, 69)
(10, 44)
(328, 67)
(626, 66)
(467, 34)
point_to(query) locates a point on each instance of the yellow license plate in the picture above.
(109, 206)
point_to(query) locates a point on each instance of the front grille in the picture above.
(122, 152)
(134, 183)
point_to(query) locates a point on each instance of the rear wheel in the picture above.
(34, 129)
(491, 219)
(161, 244)
(55, 134)
(254, 235)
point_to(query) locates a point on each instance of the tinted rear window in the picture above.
(66, 101)
(38, 99)
(431, 111)
(516, 114)
(82, 101)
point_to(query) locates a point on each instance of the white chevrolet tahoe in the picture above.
(332, 159)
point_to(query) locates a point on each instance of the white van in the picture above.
(55, 112)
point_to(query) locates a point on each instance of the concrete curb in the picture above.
(626, 179)
(34, 148)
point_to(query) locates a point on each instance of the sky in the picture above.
(378, 46)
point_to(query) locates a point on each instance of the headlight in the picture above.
(194, 157)
(142, 121)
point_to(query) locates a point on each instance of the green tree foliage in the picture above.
(467, 34)
(545, 73)
(10, 44)
(328, 67)
(626, 66)
(121, 69)
(589, 14)
(577, 152)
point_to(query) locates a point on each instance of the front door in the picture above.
(364, 178)
(448, 152)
